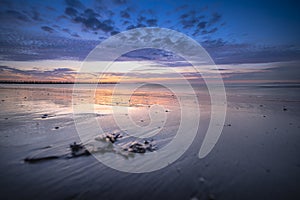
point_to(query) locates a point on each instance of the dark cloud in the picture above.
(70, 33)
(75, 4)
(182, 7)
(119, 2)
(9, 16)
(189, 23)
(114, 32)
(201, 25)
(126, 22)
(190, 20)
(130, 27)
(91, 23)
(210, 31)
(35, 15)
(89, 13)
(216, 17)
(141, 19)
(6, 3)
(55, 73)
(149, 54)
(10, 69)
(48, 29)
(125, 14)
(152, 22)
(50, 8)
(197, 23)
(136, 26)
(66, 30)
(90, 20)
(226, 53)
(22, 47)
(183, 16)
(75, 35)
(71, 11)
(280, 71)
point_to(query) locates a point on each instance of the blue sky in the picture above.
(36, 33)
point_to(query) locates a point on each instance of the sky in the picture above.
(249, 40)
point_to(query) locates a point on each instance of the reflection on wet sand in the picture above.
(258, 148)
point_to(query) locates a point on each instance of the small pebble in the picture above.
(44, 116)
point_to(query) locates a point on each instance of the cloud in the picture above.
(75, 35)
(66, 30)
(182, 7)
(10, 16)
(183, 16)
(34, 15)
(125, 14)
(25, 47)
(90, 20)
(10, 73)
(209, 31)
(71, 11)
(191, 19)
(70, 33)
(48, 29)
(201, 25)
(89, 13)
(224, 52)
(152, 22)
(270, 72)
(114, 32)
(75, 4)
(216, 17)
(99, 20)
(119, 2)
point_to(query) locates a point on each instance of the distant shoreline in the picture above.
(53, 82)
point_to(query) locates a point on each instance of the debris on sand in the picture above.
(44, 116)
(113, 137)
(132, 147)
(284, 109)
(39, 159)
(138, 147)
(109, 137)
(78, 150)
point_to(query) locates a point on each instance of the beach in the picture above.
(256, 157)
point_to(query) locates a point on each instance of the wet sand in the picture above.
(256, 157)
